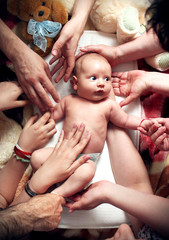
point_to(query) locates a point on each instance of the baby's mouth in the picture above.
(100, 92)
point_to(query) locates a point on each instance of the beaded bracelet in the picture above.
(29, 191)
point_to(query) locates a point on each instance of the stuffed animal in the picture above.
(41, 21)
(127, 20)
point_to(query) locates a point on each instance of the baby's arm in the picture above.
(121, 119)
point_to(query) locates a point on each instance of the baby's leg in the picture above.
(39, 157)
(78, 180)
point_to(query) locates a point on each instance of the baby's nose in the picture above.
(101, 83)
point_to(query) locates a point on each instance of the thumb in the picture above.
(57, 46)
(126, 101)
(21, 103)
(90, 48)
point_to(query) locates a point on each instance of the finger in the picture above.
(51, 133)
(31, 120)
(21, 103)
(160, 140)
(53, 59)
(116, 74)
(57, 66)
(58, 45)
(61, 72)
(90, 48)
(78, 163)
(40, 91)
(70, 66)
(60, 140)
(142, 130)
(157, 134)
(33, 97)
(127, 100)
(76, 133)
(43, 120)
(51, 90)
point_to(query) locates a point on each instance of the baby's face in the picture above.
(94, 79)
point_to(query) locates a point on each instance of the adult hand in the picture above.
(159, 133)
(34, 76)
(89, 198)
(36, 134)
(40, 213)
(131, 84)
(61, 163)
(106, 51)
(10, 91)
(45, 211)
(64, 51)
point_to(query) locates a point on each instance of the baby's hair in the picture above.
(76, 59)
(80, 57)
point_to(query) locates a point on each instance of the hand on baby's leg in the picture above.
(78, 180)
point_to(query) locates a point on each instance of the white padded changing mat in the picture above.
(105, 215)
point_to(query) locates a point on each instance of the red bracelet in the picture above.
(21, 152)
(141, 122)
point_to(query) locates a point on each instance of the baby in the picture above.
(95, 106)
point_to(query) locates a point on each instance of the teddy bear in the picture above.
(127, 20)
(41, 22)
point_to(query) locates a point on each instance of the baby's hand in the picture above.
(145, 126)
(37, 133)
(10, 91)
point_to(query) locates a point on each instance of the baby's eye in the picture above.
(93, 78)
(31, 15)
(43, 3)
(106, 79)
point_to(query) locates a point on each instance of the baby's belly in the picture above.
(95, 145)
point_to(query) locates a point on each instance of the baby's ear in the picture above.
(74, 82)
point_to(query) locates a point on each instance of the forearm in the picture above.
(149, 209)
(81, 12)
(10, 176)
(15, 222)
(145, 45)
(157, 82)
(10, 44)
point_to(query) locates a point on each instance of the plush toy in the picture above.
(41, 21)
(127, 20)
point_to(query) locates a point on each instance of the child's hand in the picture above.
(145, 126)
(36, 134)
(10, 91)
(159, 133)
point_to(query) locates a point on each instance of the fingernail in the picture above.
(82, 125)
(74, 125)
(54, 52)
